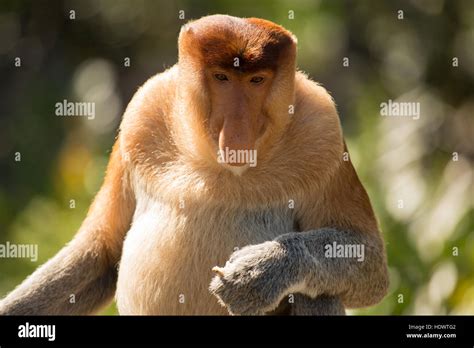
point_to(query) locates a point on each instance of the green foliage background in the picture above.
(430, 240)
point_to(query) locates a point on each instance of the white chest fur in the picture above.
(169, 252)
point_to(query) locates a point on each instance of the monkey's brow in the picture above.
(220, 53)
(244, 64)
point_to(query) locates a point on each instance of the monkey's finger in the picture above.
(218, 270)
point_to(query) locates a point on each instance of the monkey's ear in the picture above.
(187, 40)
(293, 38)
(187, 29)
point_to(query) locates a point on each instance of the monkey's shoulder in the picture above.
(314, 103)
(154, 97)
(145, 125)
(315, 129)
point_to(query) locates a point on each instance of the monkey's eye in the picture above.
(221, 77)
(256, 79)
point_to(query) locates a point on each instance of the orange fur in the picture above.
(174, 160)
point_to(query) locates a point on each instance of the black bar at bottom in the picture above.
(140, 330)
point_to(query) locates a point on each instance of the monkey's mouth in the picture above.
(237, 170)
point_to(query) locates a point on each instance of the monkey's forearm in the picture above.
(78, 280)
(257, 277)
(338, 263)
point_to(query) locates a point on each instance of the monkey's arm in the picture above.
(82, 276)
(257, 277)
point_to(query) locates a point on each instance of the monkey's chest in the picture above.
(168, 254)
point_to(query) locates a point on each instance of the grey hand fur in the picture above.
(256, 278)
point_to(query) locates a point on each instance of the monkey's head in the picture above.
(241, 72)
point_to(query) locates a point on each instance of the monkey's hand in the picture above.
(257, 277)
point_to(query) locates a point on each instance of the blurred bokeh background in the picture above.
(419, 173)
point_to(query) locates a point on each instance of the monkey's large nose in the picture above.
(235, 140)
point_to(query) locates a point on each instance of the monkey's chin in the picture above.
(236, 170)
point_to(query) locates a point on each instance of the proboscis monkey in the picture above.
(227, 191)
